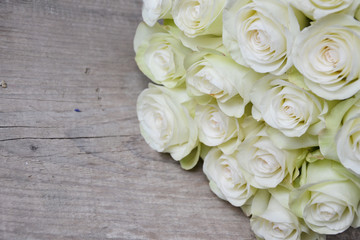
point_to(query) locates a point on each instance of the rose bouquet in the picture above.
(266, 93)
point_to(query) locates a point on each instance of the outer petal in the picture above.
(333, 124)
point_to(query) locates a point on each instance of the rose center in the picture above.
(267, 164)
(196, 11)
(291, 110)
(259, 40)
(161, 64)
(157, 123)
(234, 179)
(326, 212)
(227, 172)
(215, 121)
(281, 230)
(162, 58)
(193, 11)
(158, 120)
(208, 82)
(330, 55)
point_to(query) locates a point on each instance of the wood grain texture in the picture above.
(88, 174)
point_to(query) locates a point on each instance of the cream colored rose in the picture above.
(287, 107)
(211, 75)
(198, 17)
(316, 9)
(328, 199)
(153, 10)
(165, 122)
(348, 143)
(266, 164)
(341, 138)
(218, 129)
(159, 55)
(272, 218)
(226, 178)
(328, 54)
(260, 34)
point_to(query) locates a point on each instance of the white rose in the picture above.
(348, 142)
(153, 10)
(341, 138)
(315, 9)
(287, 107)
(328, 54)
(266, 164)
(198, 17)
(260, 34)
(211, 75)
(165, 122)
(227, 180)
(328, 199)
(272, 218)
(159, 55)
(217, 129)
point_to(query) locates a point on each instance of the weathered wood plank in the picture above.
(89, 174)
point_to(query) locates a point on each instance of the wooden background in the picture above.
(88, 174)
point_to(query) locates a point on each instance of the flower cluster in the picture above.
(266, 93)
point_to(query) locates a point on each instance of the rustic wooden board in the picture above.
(88, 174)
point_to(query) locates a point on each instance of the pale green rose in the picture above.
(341, 139)
(167, 124)
(260, 33)
(328, 55)
(226, 178)
(272, 219)
(288, 108)
(265, 163)
(328, 198)
(211, 75)
(316, 9)
(153, 10)
(159, 55)
(218, 129)
(198, 17)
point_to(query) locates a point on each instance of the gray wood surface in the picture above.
(88, 174)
